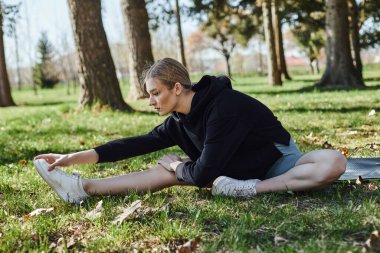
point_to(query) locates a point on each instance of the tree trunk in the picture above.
(5, 88)
(27, 23)
(312, 71)
(317, 65)
(277, 28)
(261, 68)
(179, 30)
(17, 60)
(274, 75)
(355, 37)
(227, 58)
(340, 69)
(138, 39)
(98, 79)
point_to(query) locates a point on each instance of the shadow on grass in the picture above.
(42, 104)
(336, 110)
(29, 154)
(371, 79)
(48, 132)
(312, 88)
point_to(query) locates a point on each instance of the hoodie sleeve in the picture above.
(223, 138)
(134, 146)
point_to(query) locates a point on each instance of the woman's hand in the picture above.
(82, 157)
(55, 160)
(169, 159)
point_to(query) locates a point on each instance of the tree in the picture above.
(311, 43)
(162, 13)
(12, 18)
(197, 43)
(274, 73)
(228, 23)
(179, 32)
(277, 30)
(5, 88)
(355, 36)
(44, 73)
(340, 69)
(28, 33)
(363, 36)
(307, 23)
(369, 23)
(139, 42)
(98, 79)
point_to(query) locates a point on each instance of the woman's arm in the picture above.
(124, 148)
(64, 160)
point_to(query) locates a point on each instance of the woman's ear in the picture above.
(178, 88)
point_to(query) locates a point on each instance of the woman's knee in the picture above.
(334, 165)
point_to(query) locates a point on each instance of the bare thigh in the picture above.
(317, 156)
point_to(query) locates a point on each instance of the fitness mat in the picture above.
(364, 167)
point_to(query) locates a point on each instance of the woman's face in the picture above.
(160, 97)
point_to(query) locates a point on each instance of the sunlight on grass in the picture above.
(337, 219)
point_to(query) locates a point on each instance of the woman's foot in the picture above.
(68, 187)
(227, 186)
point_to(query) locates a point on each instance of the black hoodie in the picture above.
(225, 133)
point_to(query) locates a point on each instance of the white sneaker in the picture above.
(68, 187)
(227, 186)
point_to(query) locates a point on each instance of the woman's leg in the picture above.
(313, 170)
(149, 180)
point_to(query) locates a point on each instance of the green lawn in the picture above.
(337, 219)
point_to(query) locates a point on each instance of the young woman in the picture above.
(233, 143)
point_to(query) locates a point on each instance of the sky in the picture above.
(53, 17)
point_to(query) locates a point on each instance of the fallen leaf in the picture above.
(349, 132)
(202, 202)
(35, 237)
(370, 244)
(60, 245)
(40, 211)
(189, 246)
(52, 245)
(359, 181)
(261, 230)
(22, 162)
(126, 212)
(345, 152)
(279, 239)
(149, 210)
(97, 212)
(372, 113)
(372, 187)
(71, 242)
(78, 231)
(327, 145)
(84, 241)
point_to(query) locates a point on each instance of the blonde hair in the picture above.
(169, 71)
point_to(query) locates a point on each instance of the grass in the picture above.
(339, 218)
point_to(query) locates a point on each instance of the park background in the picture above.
(56, 52)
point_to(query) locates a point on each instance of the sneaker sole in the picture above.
(45, 175)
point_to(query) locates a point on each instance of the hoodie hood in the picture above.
(205, 91)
